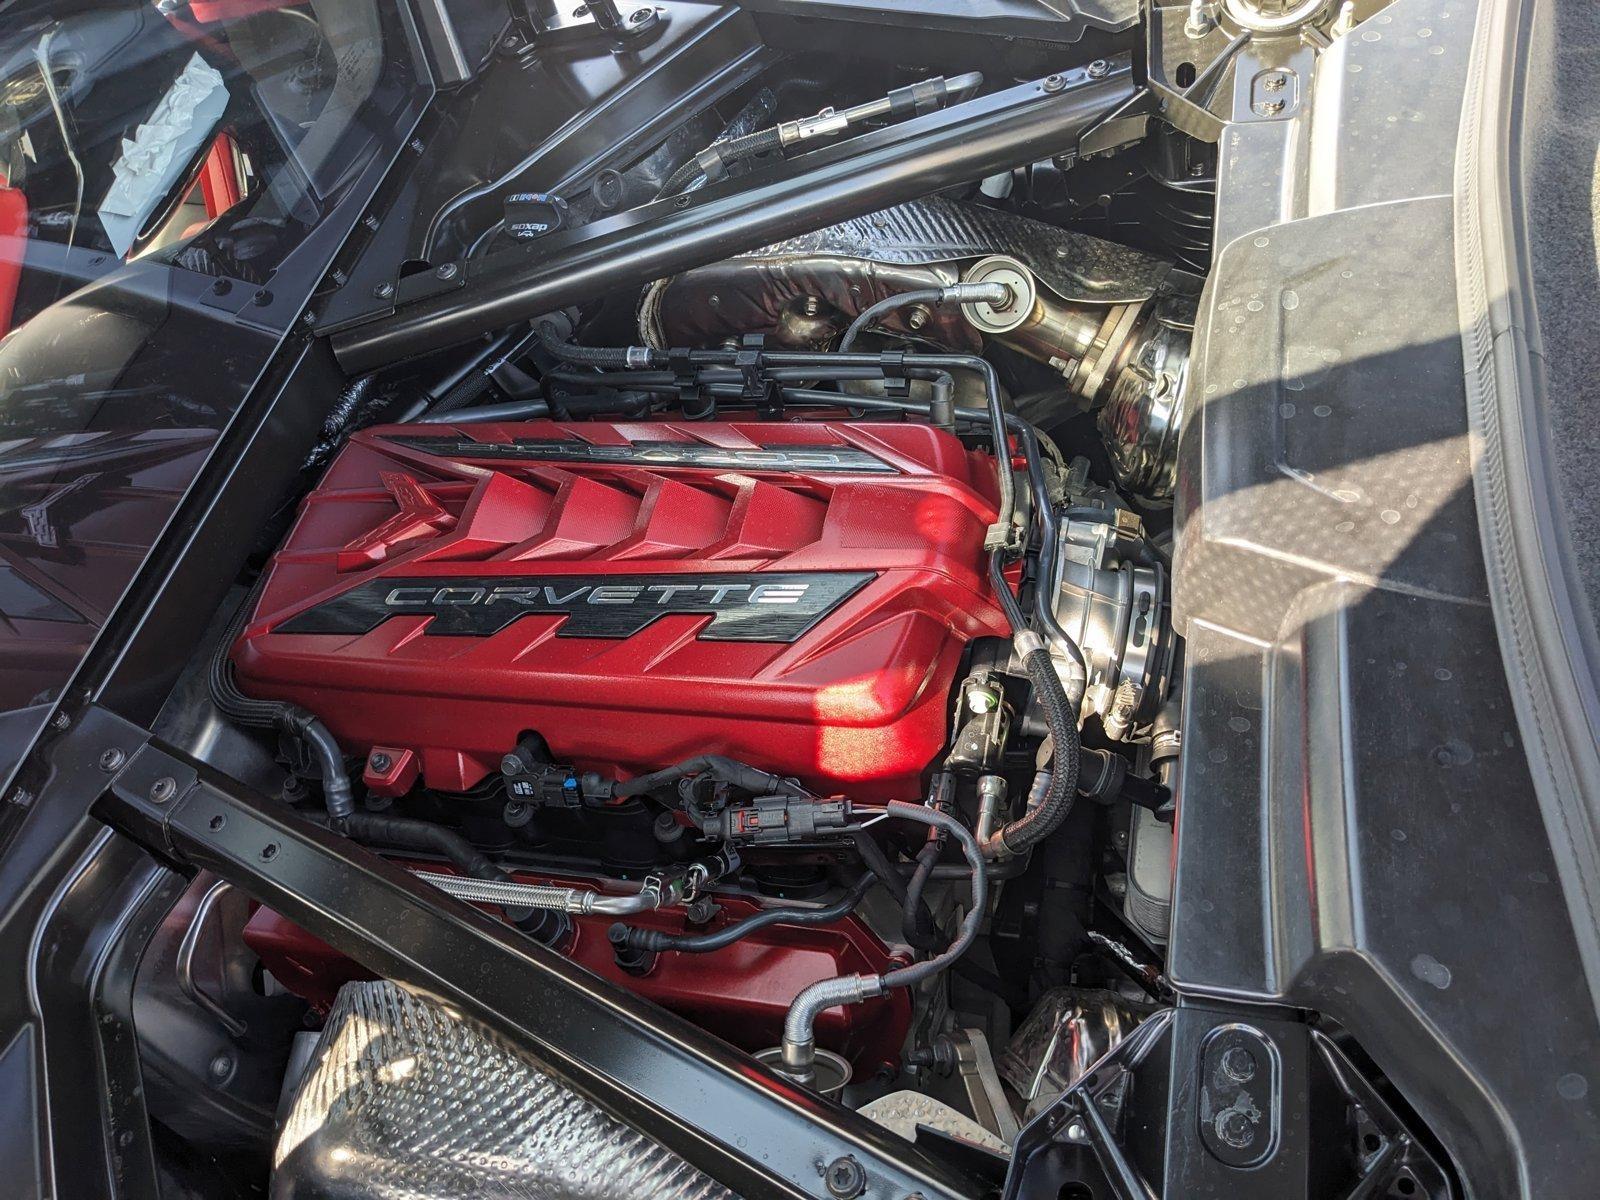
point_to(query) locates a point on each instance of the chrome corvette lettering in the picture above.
(771, 607)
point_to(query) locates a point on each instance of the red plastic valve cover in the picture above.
(795, 595)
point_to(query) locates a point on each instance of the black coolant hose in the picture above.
(613, 357)
(276, 714)
(730, 151)
(410, 834)
(723, 770)
(632, 938)
(407, 833)
(1045, 817)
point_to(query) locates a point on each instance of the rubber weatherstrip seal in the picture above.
(1546, 634)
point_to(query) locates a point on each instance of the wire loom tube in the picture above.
(275, 714)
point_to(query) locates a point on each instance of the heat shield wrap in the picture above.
(403, 1101)
(920, 244)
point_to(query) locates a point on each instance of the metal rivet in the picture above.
(163, 789)
(111, 759)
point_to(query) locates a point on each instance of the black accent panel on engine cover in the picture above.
(743, 608)
(810, 459)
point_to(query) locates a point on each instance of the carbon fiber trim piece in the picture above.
(404, 1101)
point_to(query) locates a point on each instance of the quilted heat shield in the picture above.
(403, 1101)
(796, 595)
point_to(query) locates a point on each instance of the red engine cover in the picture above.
(795, 595)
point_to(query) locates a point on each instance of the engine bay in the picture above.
(739, 558)
(803, 663)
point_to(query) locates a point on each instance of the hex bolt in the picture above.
(1238, 1064)
(917, 317)
(1234, 1128)
(60, 721)
(1098, 68)
(384, 291)
(163, 789)
(811, 306)
(844, 1178)
(380, 762)
(1199, 23)
(111, 759)
(639, 16)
